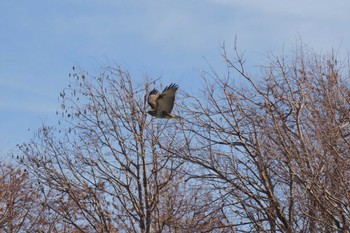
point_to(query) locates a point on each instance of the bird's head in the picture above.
(152, 113)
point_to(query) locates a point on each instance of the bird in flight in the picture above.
(162, 103)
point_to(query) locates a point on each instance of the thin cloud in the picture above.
(17, 96)
(337, 9)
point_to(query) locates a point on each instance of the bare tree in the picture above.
(16, 200)
(101, 168)
(22, 207)
(253, 153)
(275, 147)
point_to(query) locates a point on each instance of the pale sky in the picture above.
(41, 40)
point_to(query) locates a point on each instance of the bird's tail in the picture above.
(173, 116)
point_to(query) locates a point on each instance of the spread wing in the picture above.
(152, 98)
(165, 101)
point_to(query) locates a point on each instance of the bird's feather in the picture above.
(152, 98)
(165, 101)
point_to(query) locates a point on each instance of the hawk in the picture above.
(162, 103)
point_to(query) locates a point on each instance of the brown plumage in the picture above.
(162, 103)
